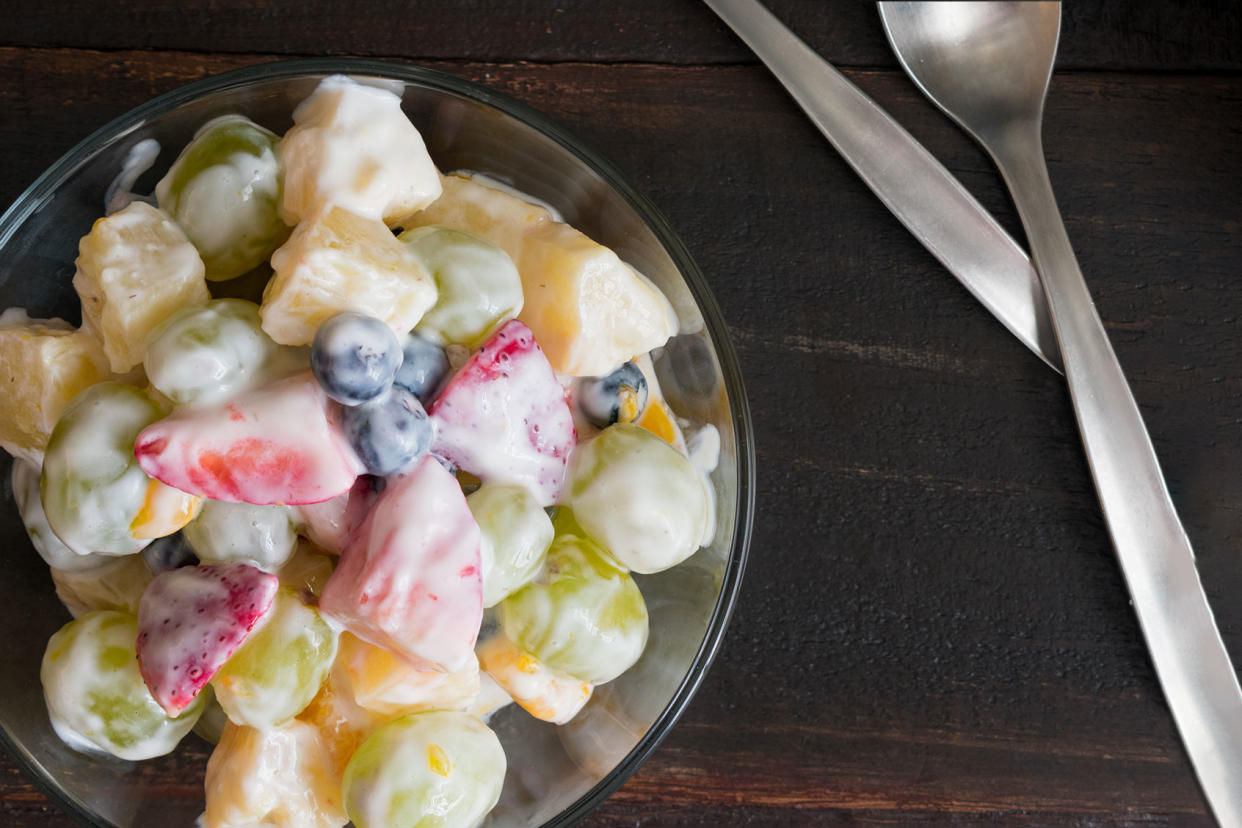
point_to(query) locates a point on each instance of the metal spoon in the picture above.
(987, 65)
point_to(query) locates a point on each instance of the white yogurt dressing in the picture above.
(120, 193)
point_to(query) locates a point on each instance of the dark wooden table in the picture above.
(933, 628)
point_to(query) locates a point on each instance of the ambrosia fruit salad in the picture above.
(336, 529)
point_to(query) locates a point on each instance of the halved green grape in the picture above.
(479, 286)
(280, 667)
(223, 190)
(582, 615)
(425, 770)
(516, 534)
(92, 488)
(224, 532)
(642, 500)
(209, 353)
(96, 697)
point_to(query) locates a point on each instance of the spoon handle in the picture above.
(1155, 555)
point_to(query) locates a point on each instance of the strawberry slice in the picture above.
(190, 620)
(272, 445)
(504, 417)
(410, 581)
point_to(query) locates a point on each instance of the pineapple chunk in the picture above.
(589, 310)
(117, 584)
(341, 722)
(546, 694)
(43, 365)
(352, 146)
(135, 268)
(501, 218)
(658, 419)
(277, 777)
(384, 682)
(341, 261)
(164, 510)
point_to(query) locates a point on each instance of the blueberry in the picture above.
(169, 552)
(422, 368)
(388, 433)
(619, 397)
(355, 357)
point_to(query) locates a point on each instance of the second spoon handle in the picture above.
(1155, 555)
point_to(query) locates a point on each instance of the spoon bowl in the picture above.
(987, 65)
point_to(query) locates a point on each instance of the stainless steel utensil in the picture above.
(924, 195)
(987, 65)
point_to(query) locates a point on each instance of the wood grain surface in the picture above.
(932, 628)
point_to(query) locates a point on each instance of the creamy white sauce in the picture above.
(704, 450)
(120, 192)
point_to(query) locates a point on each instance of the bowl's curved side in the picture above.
(465, 126)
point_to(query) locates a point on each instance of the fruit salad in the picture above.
(336, 526)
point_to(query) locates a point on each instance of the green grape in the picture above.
(208, 353)
(92, 488)
(516, 533)
(25, 480)
(582, 614)
(478, 285)
(96, 697)
(210, 725)
(223, 532)
(642, 500)
(224, 190)
(279, 668)
(425, 770)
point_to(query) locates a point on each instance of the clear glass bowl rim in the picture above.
(51, 179)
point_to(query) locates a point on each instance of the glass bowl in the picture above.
(556, 775)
